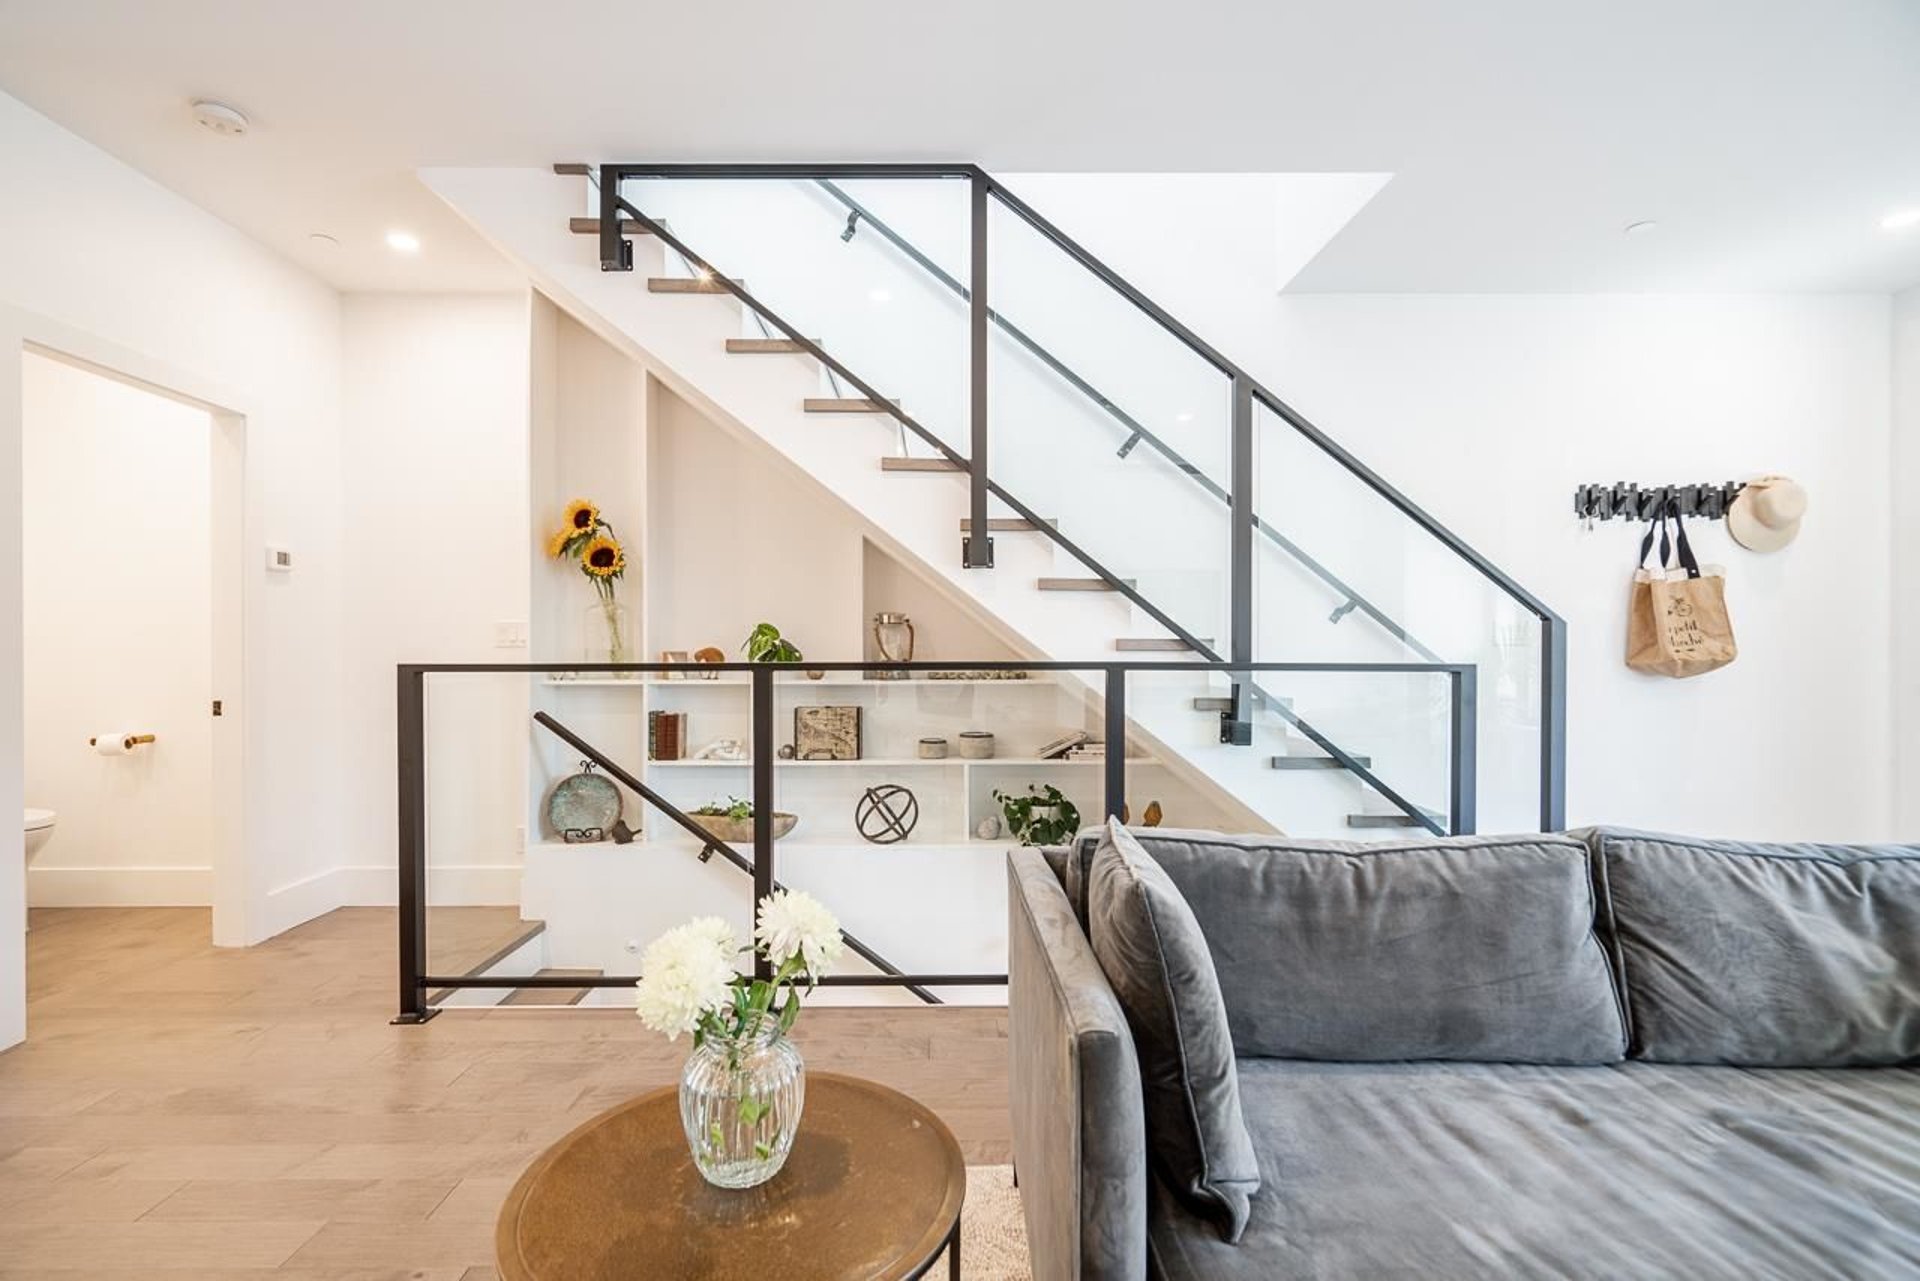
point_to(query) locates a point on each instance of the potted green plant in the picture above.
(765, 644)
(733, 822)
(1039, 816)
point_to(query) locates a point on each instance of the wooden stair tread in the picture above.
(1006, 525)
(467, 941)
(740, 346)
(1390, 820)
(591, 227)
(553, 995)
(1317, 762)
(688, 285)
(1080, 584)
(574, 170)
(919, 464)
(845, 405)
(1156, 644)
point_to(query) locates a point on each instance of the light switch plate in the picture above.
(279, 559)
(511, 634)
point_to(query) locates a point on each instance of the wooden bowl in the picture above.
(739, 831)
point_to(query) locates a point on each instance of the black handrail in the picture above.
(1136, 430)
(710, 844)
(416, 981)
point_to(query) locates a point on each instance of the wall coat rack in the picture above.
(1634, 502)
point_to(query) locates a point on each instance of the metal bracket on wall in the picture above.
(1633, 502)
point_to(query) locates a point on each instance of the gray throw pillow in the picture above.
(1767, 955)
(1478, 948)
(1154, 956)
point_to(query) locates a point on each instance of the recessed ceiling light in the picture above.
(403, 242)
(227, 121)
(323, 240)
(880, 295)
(1640, 228)
(1184, 416)
(1905, 220)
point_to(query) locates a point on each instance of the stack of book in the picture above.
(666, 736)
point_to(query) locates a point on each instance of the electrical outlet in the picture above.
(511, 634)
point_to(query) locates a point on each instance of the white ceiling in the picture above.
(1767, 137)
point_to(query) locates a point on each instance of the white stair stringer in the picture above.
(682, 340)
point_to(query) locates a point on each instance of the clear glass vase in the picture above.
(605, 631)
(740, 1103)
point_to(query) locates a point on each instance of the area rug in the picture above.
(993, 1235)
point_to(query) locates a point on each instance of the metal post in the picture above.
(412, 752)
(976, 550)
(1240, 576)
(763, 758)
(1553, 724)
(1236, 727)
(1463, 783)
(1116, 741)
(616, 251)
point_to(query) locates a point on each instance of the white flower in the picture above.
(685, 973)
(795, 923)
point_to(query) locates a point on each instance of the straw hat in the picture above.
(1765, 515)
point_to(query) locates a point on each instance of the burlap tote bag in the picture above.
(1677, 622)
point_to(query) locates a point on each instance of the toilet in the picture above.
(39, 832)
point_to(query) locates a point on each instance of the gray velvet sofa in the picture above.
(1603, 1054)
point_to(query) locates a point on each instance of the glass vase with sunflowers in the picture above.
(586, 538)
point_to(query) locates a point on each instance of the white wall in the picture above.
(1906, 561)
(1488, 411)
(117, 612)
(95, 256)
(435, 554)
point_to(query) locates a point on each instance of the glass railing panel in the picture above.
(1395, 726)
(1178, 715)
(1109, 424)
(889, 321)
(1343, 575)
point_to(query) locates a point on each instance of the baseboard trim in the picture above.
(57, 886)
(468, 885)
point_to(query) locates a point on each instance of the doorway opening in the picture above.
(130, 618)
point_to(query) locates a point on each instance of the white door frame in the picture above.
(238, 892)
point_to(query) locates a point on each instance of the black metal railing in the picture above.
(619, 217)
(1107, 684)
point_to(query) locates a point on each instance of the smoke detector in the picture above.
(229, 122)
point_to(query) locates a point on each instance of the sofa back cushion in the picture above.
(1154, 956)
(1766, 955)
(1478, 948)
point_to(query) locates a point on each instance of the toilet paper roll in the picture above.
(112, 743)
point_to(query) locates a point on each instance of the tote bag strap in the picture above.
(1687, 560)
(1657, 521)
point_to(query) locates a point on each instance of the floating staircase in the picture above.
(1275, 765)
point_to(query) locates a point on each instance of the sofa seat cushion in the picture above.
(1477, 948)
(1767, 955)
(1455, 1170)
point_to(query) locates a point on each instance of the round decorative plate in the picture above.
(584, 802)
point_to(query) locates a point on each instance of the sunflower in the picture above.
(603, 557)
(559, 542)
(582, 516)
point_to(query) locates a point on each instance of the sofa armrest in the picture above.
(1079, 1123)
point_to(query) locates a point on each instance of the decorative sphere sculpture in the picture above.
(886, 814)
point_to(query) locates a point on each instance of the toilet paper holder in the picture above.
(129, 742)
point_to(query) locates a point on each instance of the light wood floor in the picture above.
(181, 1111)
